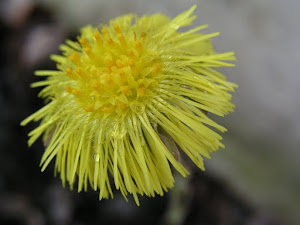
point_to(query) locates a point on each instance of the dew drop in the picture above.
(96, 157)
(142, 142)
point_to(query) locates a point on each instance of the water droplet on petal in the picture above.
(96, 157)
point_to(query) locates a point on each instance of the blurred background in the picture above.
(254, 181)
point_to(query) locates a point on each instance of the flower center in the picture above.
(113, 71)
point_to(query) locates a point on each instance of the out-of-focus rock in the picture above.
(60, 204)
(17, 209)
(39, 43)
(14, 12)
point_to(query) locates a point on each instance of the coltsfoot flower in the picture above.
(123, 95)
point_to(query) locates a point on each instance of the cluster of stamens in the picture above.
(113, 72)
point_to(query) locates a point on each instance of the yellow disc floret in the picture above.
(113, 70)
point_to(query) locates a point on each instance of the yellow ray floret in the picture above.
(125, 97)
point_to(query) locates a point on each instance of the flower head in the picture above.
(123, 95)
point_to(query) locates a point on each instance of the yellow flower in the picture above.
(123, 94)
